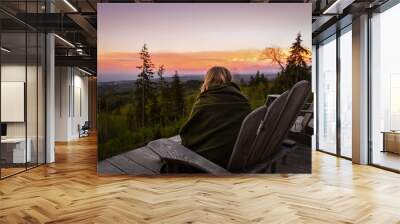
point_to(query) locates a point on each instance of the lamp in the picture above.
(70, 5)
(64, 40)
(337, 7)
(5, 50)
(84, 71)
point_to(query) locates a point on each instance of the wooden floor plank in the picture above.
(70, 191)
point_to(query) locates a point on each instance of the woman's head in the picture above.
(216, 75)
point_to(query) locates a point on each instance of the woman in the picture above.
(216, 117)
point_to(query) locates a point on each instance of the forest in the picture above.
(132, 113)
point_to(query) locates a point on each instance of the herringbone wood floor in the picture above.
(70, 191)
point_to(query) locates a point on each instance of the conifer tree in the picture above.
(160, 74)
(297, 66)
(262, 78)
(144, 84)
(252, 81)
(296, 69)
(258, 77)
(177, 96)
(164, 97)
(162, 83)
(298, 53)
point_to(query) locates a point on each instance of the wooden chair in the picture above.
(84, 129)
(302, 131)
(259, 144)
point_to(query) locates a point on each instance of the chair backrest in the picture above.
(245, 138)
(264, 129)
(86, 125)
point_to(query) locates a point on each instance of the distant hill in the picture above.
(246, 77)
(183, 78)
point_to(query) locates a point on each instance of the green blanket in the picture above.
(215, 121)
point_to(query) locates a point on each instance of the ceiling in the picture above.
(75, 21)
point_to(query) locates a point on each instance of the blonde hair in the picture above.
(216, 75)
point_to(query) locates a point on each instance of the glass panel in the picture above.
(327, 96)
(23, 82)
(13, 86)
(346, 94)
(32, 87)
(385, 89)
(31, 98)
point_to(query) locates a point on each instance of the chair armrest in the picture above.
(171, 151)
(289, 143)
(308, 111)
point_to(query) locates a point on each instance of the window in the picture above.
(335, 74)
(385, 89)
(326, 94)
(346, 92)
(22, 66)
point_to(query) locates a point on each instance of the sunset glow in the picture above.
(243, 61)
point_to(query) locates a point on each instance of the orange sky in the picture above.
(248, 60)
(190, 38)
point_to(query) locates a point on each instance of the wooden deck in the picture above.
(143, 161)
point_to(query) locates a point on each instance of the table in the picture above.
(391, 141)
(13, 150)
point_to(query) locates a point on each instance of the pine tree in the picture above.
(177, 96)
(297, 66)
(262, 78)
(160, 74)
(162, 83)
(144, 84)
(296, 69)
(258, 77)
(164, 97)
(298, 53)
(252, 81)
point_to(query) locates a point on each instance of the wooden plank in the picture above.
(173, 151)
(130, 167)
(105, 167)
(145, 157)
(176, 138)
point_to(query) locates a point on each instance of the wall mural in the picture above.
(204, 88)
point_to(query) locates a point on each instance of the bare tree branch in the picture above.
(277, 55)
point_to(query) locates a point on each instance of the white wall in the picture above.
(16, 73)
(62, 82)
(71, 94)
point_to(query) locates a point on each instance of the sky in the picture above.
(191, 37)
